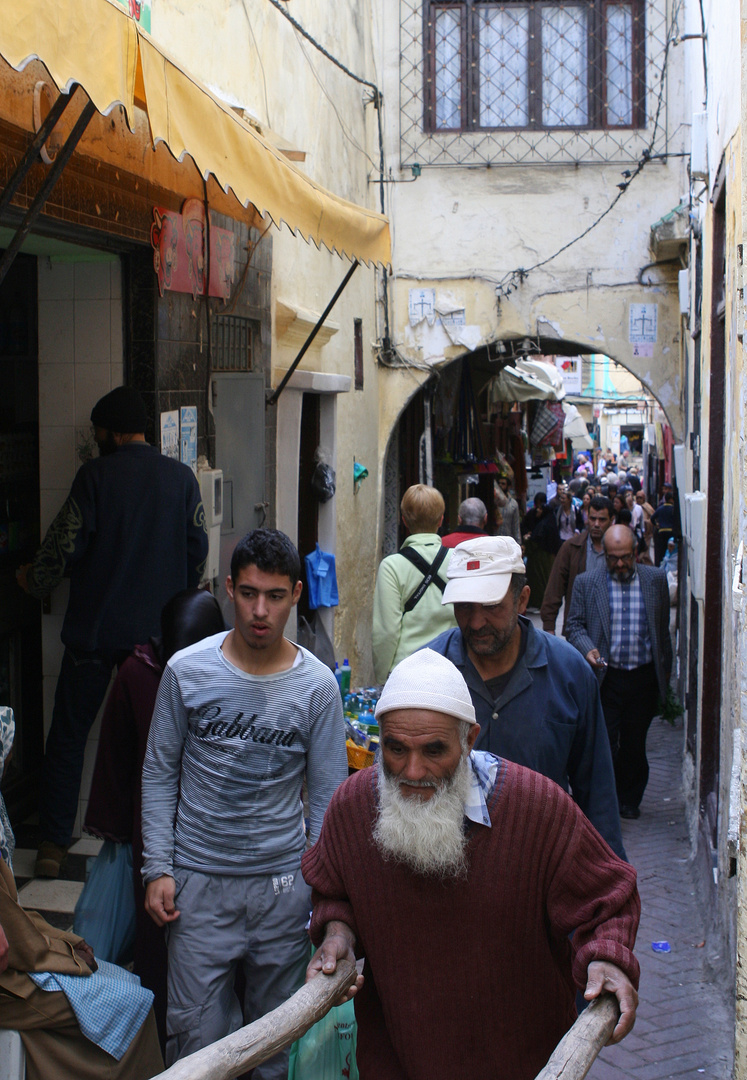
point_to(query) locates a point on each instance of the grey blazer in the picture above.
(588, 624)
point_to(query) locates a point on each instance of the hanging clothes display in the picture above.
(321, 577)
(547, 428)
(467, 436)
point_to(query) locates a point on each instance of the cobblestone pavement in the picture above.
(685, 1028)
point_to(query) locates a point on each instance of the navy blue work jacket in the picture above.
(549, 718)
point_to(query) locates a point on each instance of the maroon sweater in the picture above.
(474, 978)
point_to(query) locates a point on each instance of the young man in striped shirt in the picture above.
(240, 718)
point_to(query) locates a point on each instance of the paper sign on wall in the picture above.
(139, 10)
(570, 368)
(643, 328)
(422, 305)
(188, 439)
(613, 438)
(178, 242)
(170, 434)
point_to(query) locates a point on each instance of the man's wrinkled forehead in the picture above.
(418, 725)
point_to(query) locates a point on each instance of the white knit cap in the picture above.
(480, 570)
(427, 680)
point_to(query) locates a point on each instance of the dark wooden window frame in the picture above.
(470, 53)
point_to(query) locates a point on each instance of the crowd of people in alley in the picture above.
(480, 860)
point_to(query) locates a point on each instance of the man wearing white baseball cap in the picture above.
(535, 703)
(455, 871)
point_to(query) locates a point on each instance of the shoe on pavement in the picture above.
(632, 813)
(49, 859)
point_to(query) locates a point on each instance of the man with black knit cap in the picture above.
(130, 535)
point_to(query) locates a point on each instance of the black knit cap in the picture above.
(121, 410)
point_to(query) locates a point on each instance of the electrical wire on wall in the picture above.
(514, 278)
(511, 281)
(261, 65)
(376, 100)
(343, 127)
(705, 54)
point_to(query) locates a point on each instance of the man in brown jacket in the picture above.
(56, 1048)
(575, 556)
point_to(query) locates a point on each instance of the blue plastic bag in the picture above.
(327, 1050)
(105, 912)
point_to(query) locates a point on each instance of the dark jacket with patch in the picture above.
(130, 535)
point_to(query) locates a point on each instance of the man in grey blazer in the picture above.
(619, 620)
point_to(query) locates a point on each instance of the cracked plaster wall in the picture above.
(252, 57)
(462, 230)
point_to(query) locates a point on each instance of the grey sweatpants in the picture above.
(225, 921)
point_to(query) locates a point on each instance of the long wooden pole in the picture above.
(577, 1050)
(253, 1044)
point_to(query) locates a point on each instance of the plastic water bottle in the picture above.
(345, 673)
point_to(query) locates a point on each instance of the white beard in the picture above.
(428, 837)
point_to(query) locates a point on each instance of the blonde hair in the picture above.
(422, 508)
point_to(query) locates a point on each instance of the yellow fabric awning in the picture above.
(96, 44)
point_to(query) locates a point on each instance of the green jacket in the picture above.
(396, 634)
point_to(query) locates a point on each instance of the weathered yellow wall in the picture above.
(461, 230)
(250, 55)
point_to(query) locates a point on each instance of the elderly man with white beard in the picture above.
(477, 891)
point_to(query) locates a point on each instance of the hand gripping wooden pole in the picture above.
(577, 1050)
(253, 1044)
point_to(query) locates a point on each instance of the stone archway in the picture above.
(485, 364)
(591, 319)
(565, 319)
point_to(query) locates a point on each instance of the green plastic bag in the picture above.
(327, 1050)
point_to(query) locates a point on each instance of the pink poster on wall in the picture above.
(178, 242)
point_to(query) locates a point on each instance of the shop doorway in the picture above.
(20, 615)
(239, 414)
(711, 686)
(308, 503)
(484, 418)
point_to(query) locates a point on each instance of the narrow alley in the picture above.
(296, 294)
(685, 1024)
(685, 1020)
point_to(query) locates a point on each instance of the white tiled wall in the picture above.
(80, 360)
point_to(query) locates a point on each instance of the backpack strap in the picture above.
(429, 572)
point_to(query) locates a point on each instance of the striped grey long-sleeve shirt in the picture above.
(226, 757)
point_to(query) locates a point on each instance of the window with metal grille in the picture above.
(232, 343)
(569, 64)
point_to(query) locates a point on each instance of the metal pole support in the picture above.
(46, 189)
(32, 152)
(272, 400)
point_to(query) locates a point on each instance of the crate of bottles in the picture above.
(361, 729)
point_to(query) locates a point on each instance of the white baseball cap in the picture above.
(427, 680)
(480, 570)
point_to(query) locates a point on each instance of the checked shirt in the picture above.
(630, 643)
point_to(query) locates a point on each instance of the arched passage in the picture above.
(584, 320)
(429, 406)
